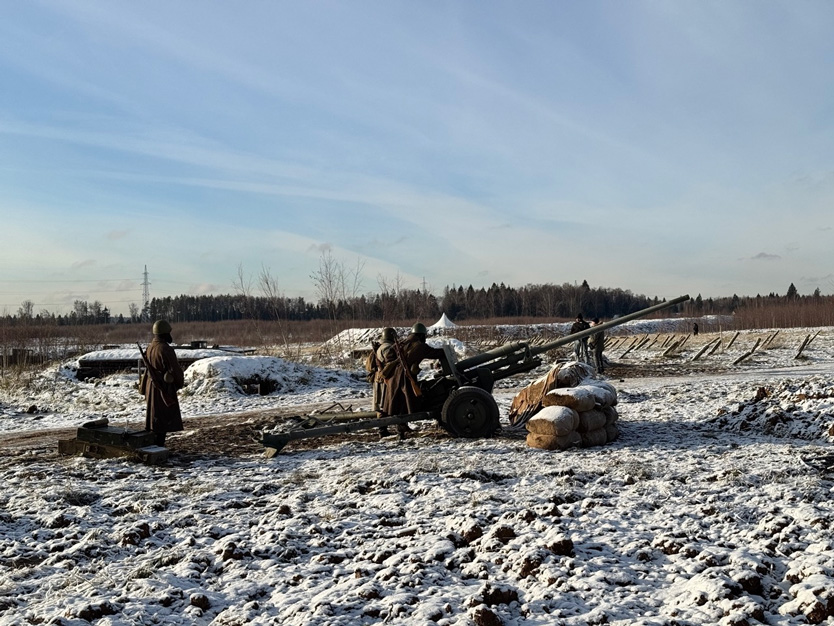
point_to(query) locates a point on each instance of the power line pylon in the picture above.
(146, 295)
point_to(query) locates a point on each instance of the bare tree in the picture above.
(242, 284)
(270, 301)
(337, 286)
(277, 304)
(26, 311)
(329, 281)
(390, 292)
(354, 285)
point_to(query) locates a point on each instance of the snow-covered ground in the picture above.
(710, 508)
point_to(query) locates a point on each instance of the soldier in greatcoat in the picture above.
(385, 361)
(401, 397)
(162, 413)
(385, 358)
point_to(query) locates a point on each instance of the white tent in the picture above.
(443, 322)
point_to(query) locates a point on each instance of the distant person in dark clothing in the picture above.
(597, 344)
(695, 328)
(581, 347)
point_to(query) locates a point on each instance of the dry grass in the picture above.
(787, 315)
(23, 346)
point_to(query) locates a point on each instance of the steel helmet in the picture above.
(161, 327)
(419, 329)
(389, 334)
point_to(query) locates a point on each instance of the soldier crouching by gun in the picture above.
(402, 393)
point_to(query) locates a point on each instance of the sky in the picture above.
(661, 147)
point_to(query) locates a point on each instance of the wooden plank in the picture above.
(631, 347)
(150, 455)
(705, 348)
(672, 348)
(804, 343)
(747, 354)
(657, 337)
(715, 347)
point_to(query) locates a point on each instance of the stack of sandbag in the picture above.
(584, 415)
(529, 400)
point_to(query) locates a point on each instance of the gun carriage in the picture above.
(459, 396)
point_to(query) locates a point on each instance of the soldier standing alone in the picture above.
(162, 413)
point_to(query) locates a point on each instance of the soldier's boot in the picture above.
(403, 430)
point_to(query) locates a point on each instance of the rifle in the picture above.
(156, 379)
(415, 387)
(372, 363)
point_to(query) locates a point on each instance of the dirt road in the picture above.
(225, 434)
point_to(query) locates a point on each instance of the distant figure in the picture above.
(597, 344)
(695, 328)
(581, 347)
(401, 396)
(162, 414)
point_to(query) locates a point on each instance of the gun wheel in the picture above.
(470, 412)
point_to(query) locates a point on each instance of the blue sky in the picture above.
(660, 147)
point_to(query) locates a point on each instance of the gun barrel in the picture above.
(490, 355)
(606, 325)
(526, 350)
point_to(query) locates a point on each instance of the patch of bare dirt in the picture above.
(210, 436)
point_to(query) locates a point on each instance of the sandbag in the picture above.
(591, 420)
(528, 401)
(577, 398)
(598, 437)
(568, 384)
(604, 392)
(612, 431)
(573, 373)
(556, 421)
(549, 442)
(611, 415)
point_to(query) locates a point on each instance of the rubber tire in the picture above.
(470, 412)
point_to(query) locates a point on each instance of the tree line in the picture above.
(459, 303)
(392, 304)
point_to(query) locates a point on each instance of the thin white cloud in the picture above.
(320, 248)
(764, 256)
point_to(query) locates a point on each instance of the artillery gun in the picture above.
(460, 397)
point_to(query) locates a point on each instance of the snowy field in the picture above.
(711, 507)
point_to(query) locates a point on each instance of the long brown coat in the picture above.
(384, 359)
(400, 397)
(159, 417)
